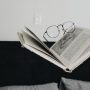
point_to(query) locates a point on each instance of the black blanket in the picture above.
(19, 66)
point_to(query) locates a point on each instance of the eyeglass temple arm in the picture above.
(45, 38)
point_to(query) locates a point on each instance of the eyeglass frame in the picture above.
(64, 30)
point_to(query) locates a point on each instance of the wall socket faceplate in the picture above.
(37, 19)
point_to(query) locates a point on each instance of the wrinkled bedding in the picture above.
(50, 86)
(71, 84)
(65, 84)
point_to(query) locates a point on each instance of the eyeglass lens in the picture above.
(52, 31)
(68, 26)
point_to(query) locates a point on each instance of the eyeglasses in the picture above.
(56, 30)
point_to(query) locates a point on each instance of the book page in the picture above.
(71, 46)
(21, 38)
(35, 37)
(32, 42)
(64, 42)
(35, 44)
(84, 56)
(45, 56)
(30, 33)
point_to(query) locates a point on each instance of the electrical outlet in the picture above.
(37, 19)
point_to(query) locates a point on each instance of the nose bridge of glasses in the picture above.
(60, 27)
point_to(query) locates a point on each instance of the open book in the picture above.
(67, 53)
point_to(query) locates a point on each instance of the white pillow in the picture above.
(50, 86)
(70, 84)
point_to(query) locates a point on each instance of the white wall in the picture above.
(15, 14)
